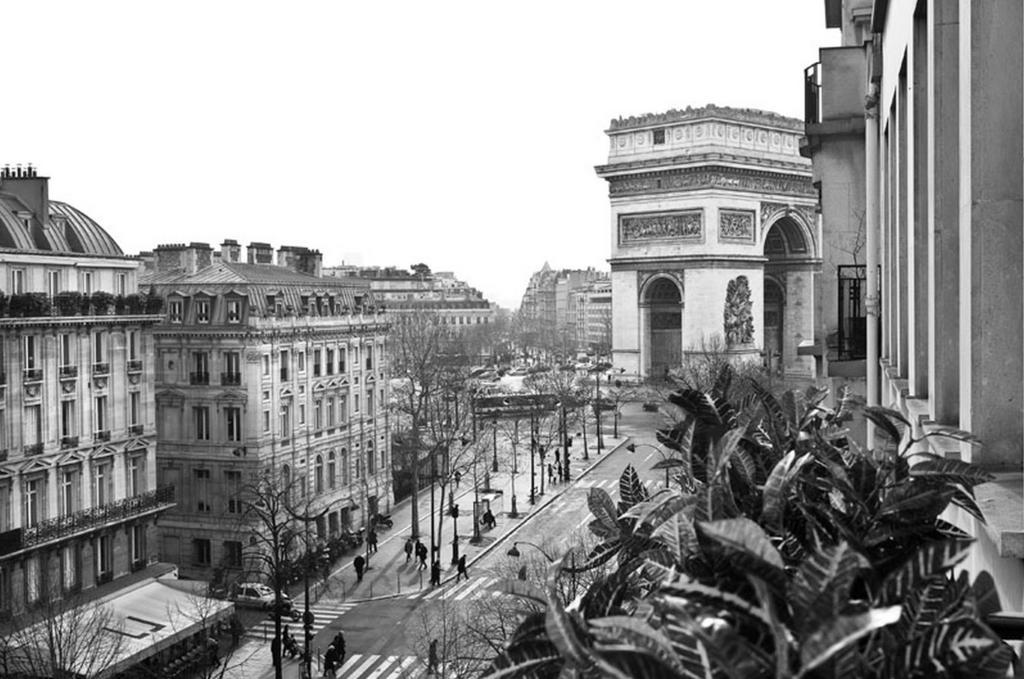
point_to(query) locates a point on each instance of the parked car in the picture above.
(257, 595)
(651, 406)
(518, 372)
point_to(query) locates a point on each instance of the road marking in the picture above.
(466, 590)
(358, 672)
(322, 617)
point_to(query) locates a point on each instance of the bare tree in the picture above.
(204, 615)
(63, 638)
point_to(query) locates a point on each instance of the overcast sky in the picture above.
(459, 134)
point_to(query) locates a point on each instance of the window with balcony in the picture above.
(17, 281)
(233, 424)
(31, 359)
(101, 430)
(66, 355)
(134, 362)
(68, 429)
(302, 413)
(369, 358)
(33, 500)
(201, 422)
(100, 347)
(52, 283)
(369, 403)
(87, 283)
(174, 311)
(200, 368)
(122, 284)
(200, 552)
(202, 310)
(234, 311)
(202, 488)
(136, 475)
(232, 375)
(233, 554)
(68, 499)
(343, 409)
(102, 483)
(355, 403)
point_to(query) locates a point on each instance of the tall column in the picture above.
(917, 206)
(943, 191)
(991, 242)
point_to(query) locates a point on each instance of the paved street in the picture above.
(376, 613)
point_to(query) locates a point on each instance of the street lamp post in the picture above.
(533, 449)
(597, 409)
(494, 461)
(633, 446)
(515, 457)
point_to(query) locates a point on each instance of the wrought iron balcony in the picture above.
(68, 372)
(100, 368)
(32, 375)
(199, 378)
(68, 442)
(135, 366)
(33, 449)
(230, 379)
(136, 429)
(812, 94)
(86, 519)
(101, 435)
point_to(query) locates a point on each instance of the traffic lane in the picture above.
(373, 628)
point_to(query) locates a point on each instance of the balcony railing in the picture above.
(68, 442)
(33, 449)
(68, 371)
(199, 378)
(101, 435)
(32, 375)
(136, 429)
(135, 366)
(100, 368)
(230, 379)
(812, 94)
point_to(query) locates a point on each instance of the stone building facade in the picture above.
(259, 367)
(79, 499)
(714, 239)
(917, 119)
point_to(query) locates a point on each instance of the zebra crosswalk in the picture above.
(359, 666)
(474, 588)
(607, 484)
(322, 617)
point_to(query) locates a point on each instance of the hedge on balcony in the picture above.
(36, 304)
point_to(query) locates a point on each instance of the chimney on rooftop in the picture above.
(230, 251)
(260, 253)
(183, 258)
(29, 188)
(300, 259)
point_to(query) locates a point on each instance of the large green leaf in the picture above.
(775, 488)
(945, 646)
(912, 502)
(653, 512)
(679, 535)
(642, 637)
(955, 471)
(729, 653)
(747, 539)
(821, 588)
(600, 554)
(684, 590)
(603, 509)
(700, 404)
(778, 426)
(931, 559)
(886, 419)
(841, 632)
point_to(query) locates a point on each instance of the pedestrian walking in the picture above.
(408, 550)
(371, 540)
(358, 563)
(458, 478)
(462, 573)
(339, 646)
(489, 519)
(275, 651)
(551, 472)
(432, 657)
(330, 662)
(435, 574)
(421, 554)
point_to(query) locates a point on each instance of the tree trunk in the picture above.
(415, 480)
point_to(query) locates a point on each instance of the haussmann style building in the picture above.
(260, 365)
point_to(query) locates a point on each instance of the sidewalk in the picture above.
(389, 576)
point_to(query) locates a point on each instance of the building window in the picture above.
(332, 470)
(100, 415)
(266, 365)
(355, 403)
(659, 136)
(286, 419)
(318, 474)
(343, 409)
(67, 419)
(69, 502)
(70, 562)
(99, 347)
(32, 501)
(284, 364)
(329, 363)
(266, 421)
(122, 284)
(202, 311)
(67, 352)
(233, 481)
(300, 359)
(369, 358)
(233, 554)
(174, 311)
(369, 403)
(87, 282)
(345, 476)
(134, 408)
(104, 556)
(52, 283)
(330, 411)
(316, 363)
(341, 360)
(6, 511)
(138, 546)
(31, 356)
(318, 414)
(201, 419)
(233, 422)
(102, 483)
(18, 282)
(133, 345)
(136, 475)
(200, 368)
(371, 461)
(202, 478)
(200, 552)
(234, 311)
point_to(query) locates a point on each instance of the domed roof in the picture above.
(68, 230)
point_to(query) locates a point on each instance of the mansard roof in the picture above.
(67, 230)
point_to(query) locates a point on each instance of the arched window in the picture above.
(345, 480)
(319, 474)
(332, 471)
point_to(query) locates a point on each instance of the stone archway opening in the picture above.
(774, 313)
(788, 303)
(664, 301)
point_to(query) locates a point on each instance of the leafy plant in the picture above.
(780, 549)
(101, 302)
